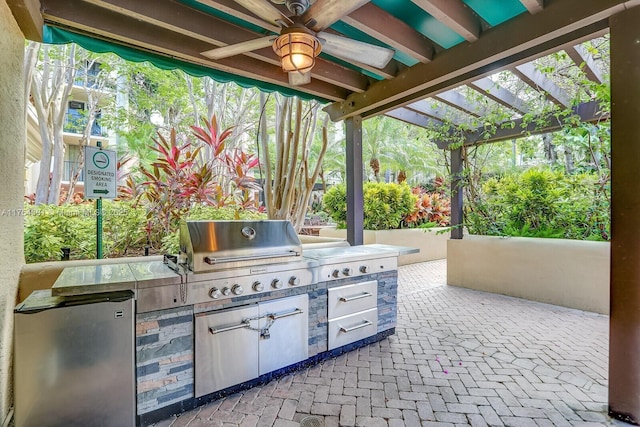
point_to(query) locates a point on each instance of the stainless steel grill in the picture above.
(219, 260)
(217, 245)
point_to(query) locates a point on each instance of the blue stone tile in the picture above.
(151, 368)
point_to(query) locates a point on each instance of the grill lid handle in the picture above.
(212, 261)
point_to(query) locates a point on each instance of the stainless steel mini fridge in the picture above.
(74, 360)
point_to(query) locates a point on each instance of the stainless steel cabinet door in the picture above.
(287, 341)
(226, 349)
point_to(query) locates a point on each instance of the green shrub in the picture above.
(335, 204)
(541, 203)
(385, 205)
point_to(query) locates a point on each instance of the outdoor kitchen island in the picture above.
(238, 312)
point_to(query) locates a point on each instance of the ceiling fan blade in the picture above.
(265, 10)
(327, 12)
(238, 48)
(298, 79)
(354, 50)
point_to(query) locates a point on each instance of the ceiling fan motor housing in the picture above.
(297, 7)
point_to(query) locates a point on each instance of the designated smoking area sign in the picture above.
(100, 173)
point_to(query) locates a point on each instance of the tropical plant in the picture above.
(187, 174)
(386, 205)
(432, 208)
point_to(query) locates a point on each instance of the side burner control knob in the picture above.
(226, 291)
(237, 290)
(257, 286)
(294, 281)
(364, 269)
(276, 284)
(214, 293)
(346, 271)
(336, 273)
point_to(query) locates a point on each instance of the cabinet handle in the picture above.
(214, 331)
(276, 316)
(364, 324)
(355, 297)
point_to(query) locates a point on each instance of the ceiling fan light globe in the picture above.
(297, 51)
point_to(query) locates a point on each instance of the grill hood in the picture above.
(217, 245)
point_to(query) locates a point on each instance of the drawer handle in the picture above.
(364, 324)
(213, 331)
(355, 297)
(276, 316)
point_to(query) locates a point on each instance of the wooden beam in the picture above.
(184, 20)
(533, 6)
(327, 12)
(232, 8)
(585, 112)
(27, 15)
(414, 118)
(584, 60)
(534, 78)
(455, 15)
(514, 42)
(458, 101)
(377, 23)
(426, 108)
(121, 29)
(490, 89)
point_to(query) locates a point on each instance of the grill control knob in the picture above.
(276, 284)
(346, 271)
(336, 273)
(226, 291)
(237, 290)
(364, 269)
(294, 281)
(214, 293)
(257, 286)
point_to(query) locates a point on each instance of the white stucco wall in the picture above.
(431, 243)
(569, 273)
(12, 146)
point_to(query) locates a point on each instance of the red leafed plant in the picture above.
(201, 172)
(432, 208)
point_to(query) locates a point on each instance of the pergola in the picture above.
(441, 48)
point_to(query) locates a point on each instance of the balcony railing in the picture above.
(76, 124)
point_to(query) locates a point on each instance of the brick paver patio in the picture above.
(459, 357)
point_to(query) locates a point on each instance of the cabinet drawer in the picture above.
(348, 329)
(345, 300)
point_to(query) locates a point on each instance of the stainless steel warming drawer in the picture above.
(353, 313)
(354, 327)
(345, 300)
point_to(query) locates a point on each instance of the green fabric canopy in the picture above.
(55, 35)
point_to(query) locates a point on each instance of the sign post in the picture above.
(100, 182)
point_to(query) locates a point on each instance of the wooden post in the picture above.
(355, 200)
(624, 320)
(456, 193)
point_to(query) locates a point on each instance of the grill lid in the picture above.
(214, 245)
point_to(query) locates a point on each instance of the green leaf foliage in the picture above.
(385, 205)
(541, 203)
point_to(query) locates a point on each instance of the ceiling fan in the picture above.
(302, 37)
